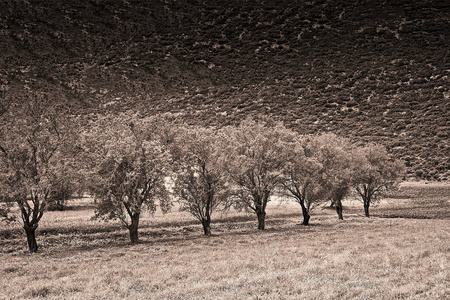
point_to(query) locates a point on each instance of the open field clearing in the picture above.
(404, 256)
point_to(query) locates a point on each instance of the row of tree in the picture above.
(135, 163)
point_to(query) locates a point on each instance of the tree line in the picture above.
(131, 164)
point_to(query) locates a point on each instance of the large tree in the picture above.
(200, 184)
(254, 162)
(376, 173)
(33, 152)
(132, 175)
(304, 175)
(336, 156)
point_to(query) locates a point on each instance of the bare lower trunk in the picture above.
(261, 219)
(133, 228)
(31, 239)
(206, 222)
(134, 237)
(56, 205)
(306, 216)
(338, 205)
(366, 209)
(59, 205)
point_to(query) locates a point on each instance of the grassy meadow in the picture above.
(401, 252)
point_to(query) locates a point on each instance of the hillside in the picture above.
(374, 70)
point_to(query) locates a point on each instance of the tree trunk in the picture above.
(339, 209)
(206, 225)
(133, 228)
(134, 238)
(31, 239)
(261, 219)
(60, 205)
(306, 216)
(366, 209)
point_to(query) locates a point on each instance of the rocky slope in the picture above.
(370, 70)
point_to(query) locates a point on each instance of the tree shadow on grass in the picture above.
(112, 226)
(185, 237)
(63, 241)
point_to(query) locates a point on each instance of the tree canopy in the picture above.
(376, 173)
(255, 163)
(35, 152)
(133, 164)
(200, 184)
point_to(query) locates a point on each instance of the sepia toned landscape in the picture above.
(238, 149)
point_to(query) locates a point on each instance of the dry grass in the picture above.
(358, 258)
(419, 201)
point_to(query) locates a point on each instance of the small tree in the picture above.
(63, 190)
(254, 162)
(200, 183)
(304, 175)
(5, 209)
(376, 174)
(31, 159)
(131, 178)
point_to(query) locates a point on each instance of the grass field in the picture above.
(402, 252)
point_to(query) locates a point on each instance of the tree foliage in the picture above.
(5, 210)
(337, 158)
(254, 162)
(35, 140)
(375, 174)
(128, 160)
(304, 175)
(200, 183)
(131, 176)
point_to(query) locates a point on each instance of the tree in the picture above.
(64, 188)
(33, 135)
(376, 174)
(254, 162)
(336, 155)
(132, 177)
(304, 175)
(200, 184)
(5, 209)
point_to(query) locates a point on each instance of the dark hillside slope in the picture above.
(372, 70)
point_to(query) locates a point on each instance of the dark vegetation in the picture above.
(373, 71)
